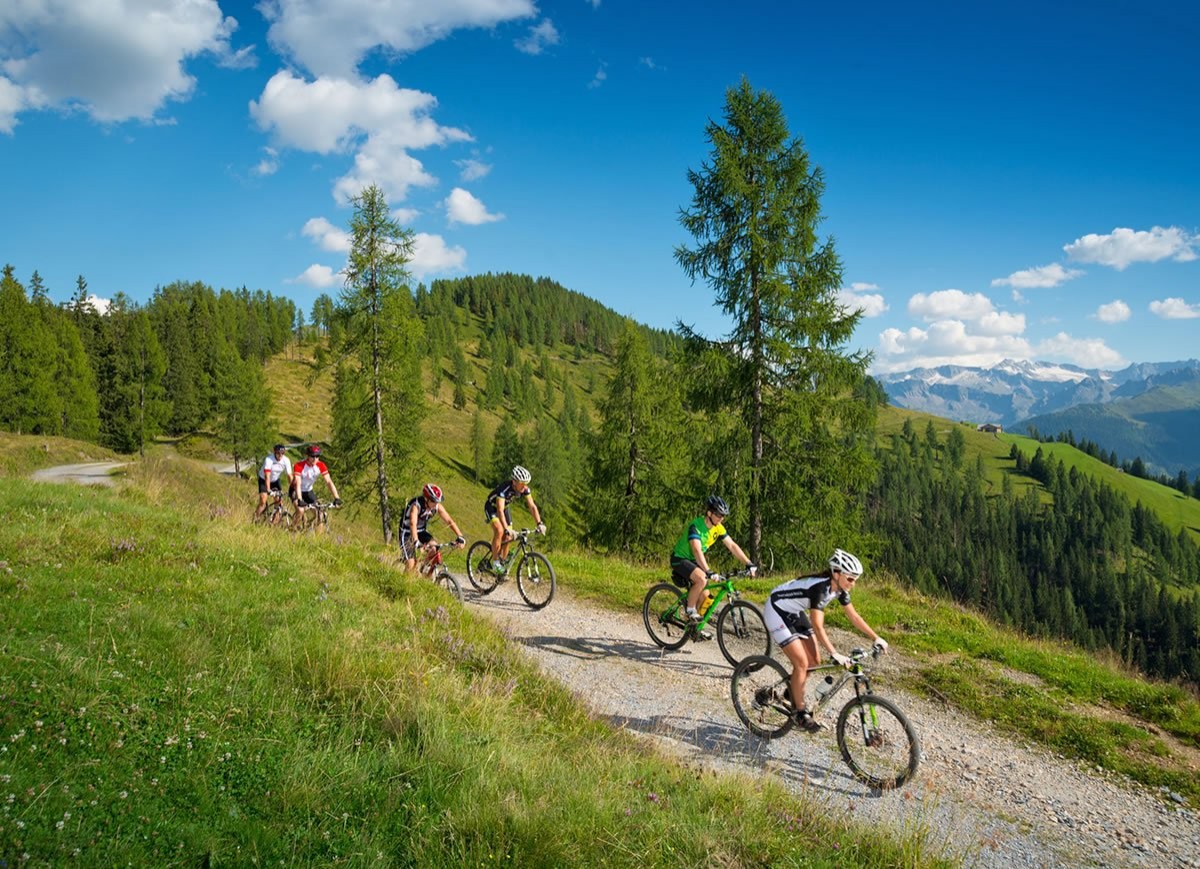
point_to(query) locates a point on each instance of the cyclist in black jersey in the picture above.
(499, 516)
(417, 514)
(795, 616)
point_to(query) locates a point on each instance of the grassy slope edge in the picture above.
(180, 687)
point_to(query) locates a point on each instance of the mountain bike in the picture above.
(875, 738)
(432, 567)
(535, 574)
(318, 525)
(276, 513)
(741, 631)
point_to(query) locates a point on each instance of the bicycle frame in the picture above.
(724, 588)
(857, 673)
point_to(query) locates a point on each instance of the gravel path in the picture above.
(87, 473)
(979, 796)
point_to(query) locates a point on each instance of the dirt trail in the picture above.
(87, 473)
(980, 796)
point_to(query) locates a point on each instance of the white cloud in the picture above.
(405, 215)
(269, 164)
(327, 236)
(377, 120)
(949, 304)
(857, 297)
(1084, 352)
(1174, 309)
(97, 304)
(1123, 247)
(1114, 312)
(330, 37)
(113, 59)
(317, 276)
(432, 256)
(462, 207)
(539, 38)
(1043, 276)
(472, 169)
(649, 63)
(1001, 323)
(946, 342)
(599, 78)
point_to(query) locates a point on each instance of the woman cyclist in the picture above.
(795, 616)
(496, 509)
(417, 514)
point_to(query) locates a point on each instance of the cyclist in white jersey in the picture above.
(271, 474)
(795, 615)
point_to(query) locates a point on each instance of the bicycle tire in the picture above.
(756, 691)
(445, 579)
(535, 580)
(286, 518)
(877, 742)
(742, 632)
(663, 612)
(479, 566)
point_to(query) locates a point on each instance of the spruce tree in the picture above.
(383, 335)
(754, 216)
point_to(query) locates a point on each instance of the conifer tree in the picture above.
(506, 451)
(383, 336)
(29, 402)
(244, 424)
(133, 402)
(754, 217)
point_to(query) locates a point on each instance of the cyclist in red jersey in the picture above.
(304, 474)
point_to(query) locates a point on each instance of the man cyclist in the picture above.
(795, 616)
(304, 475)
(496, 511)
(417, 514)
(270, 477)
(689, 567)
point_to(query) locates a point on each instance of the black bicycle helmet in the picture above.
(717, 505)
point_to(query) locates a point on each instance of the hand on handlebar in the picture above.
(541, 528)
(841, 660)
(881, 644)
(460, 542)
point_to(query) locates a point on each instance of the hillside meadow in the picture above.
(183, 688)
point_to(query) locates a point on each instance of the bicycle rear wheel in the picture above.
(665, 613)
(535, 580)
(758, 691)
(877, 742)
(479, 566)
(741, 632)
(445, 579)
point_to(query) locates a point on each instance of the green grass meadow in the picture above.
(181, 688)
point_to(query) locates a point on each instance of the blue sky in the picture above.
(1002, 180)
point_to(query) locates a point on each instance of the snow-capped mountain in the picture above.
(1015, 390)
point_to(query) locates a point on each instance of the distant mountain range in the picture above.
(1150, 409)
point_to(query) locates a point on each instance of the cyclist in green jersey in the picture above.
(689, 567)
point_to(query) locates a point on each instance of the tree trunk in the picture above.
(385, 514)
(756, 422)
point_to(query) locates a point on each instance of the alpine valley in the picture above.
(1151, 409)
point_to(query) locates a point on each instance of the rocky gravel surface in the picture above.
(979, 797)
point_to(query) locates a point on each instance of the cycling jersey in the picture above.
(309, 473)
(697, 529)
(275, 467)
(423, 514)
(508, 492)
(806, 593)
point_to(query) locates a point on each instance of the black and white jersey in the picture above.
(806, 593)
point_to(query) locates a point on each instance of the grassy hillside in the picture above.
(181, 688)
(1176, 510)
(1158, 425)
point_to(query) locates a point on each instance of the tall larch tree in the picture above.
(754, 217)
(383, 337)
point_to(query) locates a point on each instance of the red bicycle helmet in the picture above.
(433, 493)
(314, 450)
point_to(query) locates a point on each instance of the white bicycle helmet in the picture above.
(521, 475)
(845, 562)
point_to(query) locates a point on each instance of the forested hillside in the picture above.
(1086, 564)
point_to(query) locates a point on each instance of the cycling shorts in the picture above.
(786, 626)
(490, 513)
(681, 571)
(308, 498)
(263, 489)
(407, 544)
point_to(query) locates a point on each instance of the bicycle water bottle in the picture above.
(824, 687)
(706, 602)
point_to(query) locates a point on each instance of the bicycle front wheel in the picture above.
(479, 566)
(877, 742)
(535, 580)
(444, 579)
(665, 613)
(759, 692)
(741, 632)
